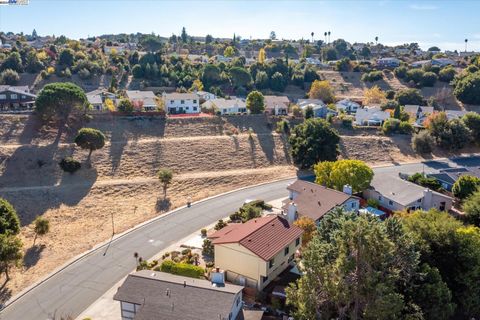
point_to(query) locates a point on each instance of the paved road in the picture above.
(73, 289)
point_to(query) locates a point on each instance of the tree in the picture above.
(9, 77)
(262, 55)
(471, 207)
(467, 88)
(322, 90)
(472, 121)
(229, 52)
(354, 173)
(422, 142)
(309, 229)
(273, 35)
(9, 222)
(184, 35)
(41, 227)
(354, 268)
(197, 85)
(240, 77)
(66, 57)
(447, 74)
(151, 43)
(374, 96)
(465, 186)
(434, 48)
(125, 105)
(277, 83)
(14, 62)
(448, 134)
(60, 99)
(211, 75)
(429, 79)
(165, 176)
(446, 244)
(261, 81)
(309, 112)
(208, 39)
(409, 96)
(91, 139)
(313, 141)
(255, 102)
(10, 253)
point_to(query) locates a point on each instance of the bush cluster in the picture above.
(182, 269)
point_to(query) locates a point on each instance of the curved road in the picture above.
(74, 288)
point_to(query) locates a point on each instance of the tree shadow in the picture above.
(5, 293)
(252, 151)
(31, 129)
(32, 255)
(163, 205)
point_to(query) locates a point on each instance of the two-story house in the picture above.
(254, 253)
(148, 294)
(16, 97)
(176, 103)
(307, 199)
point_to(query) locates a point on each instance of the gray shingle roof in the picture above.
(188, 299)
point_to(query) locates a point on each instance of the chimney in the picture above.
(427, 199)
(347, 189)
(217, 277)
(292, 212)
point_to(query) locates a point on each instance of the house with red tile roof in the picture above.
(256, 252)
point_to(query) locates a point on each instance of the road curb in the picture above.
(103, 244)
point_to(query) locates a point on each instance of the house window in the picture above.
(194, 108)
(194, 101)
(271, 263)
(380, 198)
(286, 251)
(297, 242)
(182, 101)
(171, 101)
(3, 96)
(353, 205)
(24, 97)
(13, 96)
(419, 200)
(264, 279)
(390, 202)
(187, 108)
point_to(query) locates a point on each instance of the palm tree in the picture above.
(325, 34)
(312, 36)
(165, 176)
(376, 40)
(466, 41)
(328, 36)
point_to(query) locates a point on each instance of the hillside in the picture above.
(205, 157)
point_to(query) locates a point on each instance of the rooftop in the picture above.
(314, 200)
(166, 296)
(264, 236)
(181, 96)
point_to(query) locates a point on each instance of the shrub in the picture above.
(70, 165)
(427, 182)
(372, 76)
(207, 248)
(390, 126)
(405, 127)
(400, 72)
(373, 203)
(182, 269)
(415, 75)
(9, 77)
(465, 186)
(446, 74)
(220, 224)
(347, 122)
(203, 232)
(429, 79)
(389, 105)
(390, 94)
(409, 96)
(186, 251)
(297, 112)
(467, 89)
(422, 142)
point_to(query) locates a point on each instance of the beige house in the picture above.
(256, 252)
(276, 105)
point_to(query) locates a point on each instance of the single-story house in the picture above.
(147, 98)
(148, 295)
(397, 194)
(371, 116)
(97, 98)
(448, 177)
(226, 106)
(347, 105)
(388, 63)
(443, 62)
(320, 109)
(181, 102)
(420, 64)
(276, 105)
(455, 114)
(307, 199)
(256, 252)
(16, 97)
(418, 112)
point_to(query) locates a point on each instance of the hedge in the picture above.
(182, 269)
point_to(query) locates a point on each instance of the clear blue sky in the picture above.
(442, 23)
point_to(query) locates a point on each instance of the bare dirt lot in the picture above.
(206, 158)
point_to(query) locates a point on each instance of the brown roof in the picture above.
(314, 200)
(264, 236)
(272, 101)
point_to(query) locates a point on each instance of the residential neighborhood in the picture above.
(159, 163)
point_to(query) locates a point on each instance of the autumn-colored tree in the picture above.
(229, 52)
(197, 85)
(309, 229)
(109, 105)
(322, 90)
(354, 173)
(262, 55)
(374, 96)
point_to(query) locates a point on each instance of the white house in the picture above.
(347, 105)
(371, 116)
(205, 96)
(181, 103)
(146, 98)
(97, 98)
(226, 106)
